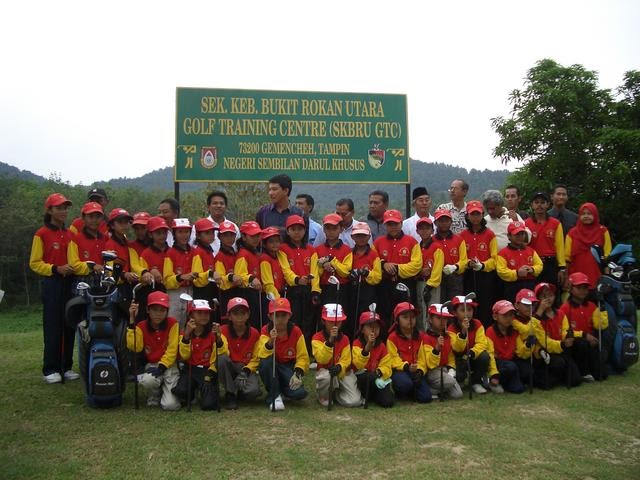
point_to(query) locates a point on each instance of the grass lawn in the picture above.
(46, 431)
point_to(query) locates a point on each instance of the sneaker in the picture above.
(496, 388)
(278, 404)
(71, 375)
(231, 401)
(313, 366)
(323, 401)
(479, 389)
(588, 378)
(54, 377)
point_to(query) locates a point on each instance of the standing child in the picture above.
(151, 262)
(508, 352)
(586, 234)
(586, 323)
(238, 369)
(469, 344)
(204, 263)
(372, 361)
(247, 267)
(230, 282)
(454, 249)
(332, 351)
(118, 223)
(49, 260)
(482, 250)
(177, 273)
(518, 264)
(283, 356)
(441, 375)
(157, 337)
(270, 262)
(430, 277)
(140, 242)
(408, 359)
(201, 347)
(88, 244)
(334, 258)
(301, 274)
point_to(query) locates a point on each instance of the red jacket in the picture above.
(154, 258)
(431, 338)
(339, 252)
(155, 341)
(504, 345)
(286, 348)
(240, 348)
(201, 349)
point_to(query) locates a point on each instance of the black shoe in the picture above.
(231, 401)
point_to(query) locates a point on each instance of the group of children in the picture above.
(354, 309)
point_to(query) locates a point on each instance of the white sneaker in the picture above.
(479, 389)
(313, 366)
(54, 377)
(323, 401)
(71, 375)
(496, 388)
(279, 404)
(588, 378)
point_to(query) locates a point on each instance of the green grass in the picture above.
(46, 431)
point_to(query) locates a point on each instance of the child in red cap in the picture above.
(585, 319)
(238, 368)
(408, 358)
(372, 361)
(229, 282)
(157, 337)
(441, 376)
(332, 352)
(177, 270)
(270, 262)
(118, 222)
(509, 355)
(283, 375)
(49, 260)
(204, 263)
(518, 264)
(247, 267)
(469, 343)
(199, 345)
(430, 276)
(87, 245)
(454, 249)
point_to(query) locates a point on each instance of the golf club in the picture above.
(185, 297)
(135, 351)
(469, 296)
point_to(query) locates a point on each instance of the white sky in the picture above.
(87, 89)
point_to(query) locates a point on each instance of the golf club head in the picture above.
(470, 296)
(401, 287)
(372, 307)
(333, 280)
(108, 268)
(270, 296)
(446, 304)
(82, 286)
(216, 303)
(108, 282)
(185, 297)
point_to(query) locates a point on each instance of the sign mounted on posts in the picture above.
(318, 137)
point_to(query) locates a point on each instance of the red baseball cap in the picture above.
(474, 206)
(203, 225)
(503, 306)
(403, 307)
(294, 220)
(156, 223)
(369, 317)
(141, 218)
(516, 227)
(333, 312)
(332, 219)
(360, 228)
(392, 216)
(119, 213)
(440, 310)
(579, 278)
(542, 286)
(91, 207)
(158, 298)
(269, 232)
(250, 228)
(56, 199)
(442, 212)
(200, 305)
(526, 296)
(237, 302)
(459, 300)
(226, 227)
(279, 305)
(426, 220)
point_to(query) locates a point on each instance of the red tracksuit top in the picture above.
(90, 248)
(253, 262)
(543, 236)
(54, 242)
(518, 257)
(240, 348)
(206, 256)
(122, 249)
(579, 316)
(395, 250)
(471, 335)
(478, 243)
(299, 258)
(376, 354)
(450, 247)
(182, 261)
(154, 258)
(339, 251)
(366, 259)
(227, 258)
(408, 348)
(428, 252)
(78, 224)
(155, 341)
(137, 245)
(431, 338)
(276, 270)
(342, 342)
(201, 349)
(286, 347)
(553, 326)
(504, 345)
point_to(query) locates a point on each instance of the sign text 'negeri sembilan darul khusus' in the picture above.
(251, 135)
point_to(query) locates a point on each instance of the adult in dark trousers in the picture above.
(559, 211)
(49, 260)
(169, 210)
(457, 206)
(97, 195)
(217, 207)
(378, 204)
(512, 199)
(344, 208)
(421, 206)
(276, 213)
(305, 202)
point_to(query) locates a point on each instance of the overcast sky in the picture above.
(88, 88)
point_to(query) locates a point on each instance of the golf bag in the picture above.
(616, 287)
(101, 353)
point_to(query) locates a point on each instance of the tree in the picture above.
(567, 130)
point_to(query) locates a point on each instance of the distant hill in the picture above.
(9, 171)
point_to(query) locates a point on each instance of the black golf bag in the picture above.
(101, 347)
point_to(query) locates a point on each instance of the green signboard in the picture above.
(320, 137)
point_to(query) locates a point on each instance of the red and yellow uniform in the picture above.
(49, 249)
(290, 347)
(151, 258)
(482, 246)
(377, 360)
(405, 350)
(300, 262)
(225, 263)
(454, 249)
(159, 344)
(271, 273)
(202, 351)
(84, 248)
(547, 238)
(505, 347)
(203, 262)
(243, 349)
(584, 318)
(371, 260)
(247, 265)
(432, 256)
(177, 261)
(444, 358)
(78, 225)
(122, 248)
(510, 259)
(475, 338)
(341, 352)
(341, 261)
(403, 251)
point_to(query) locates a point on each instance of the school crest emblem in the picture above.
(290, 352)
(376, 156)
(209, 157)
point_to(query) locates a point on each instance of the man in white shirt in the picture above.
(498, 217)
(421, 205)
(344, 208)
(217, 206)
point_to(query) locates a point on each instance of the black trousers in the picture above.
(208, 393)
